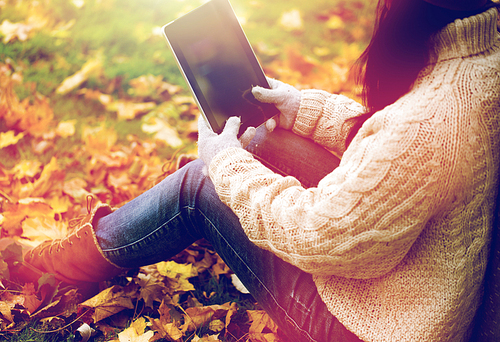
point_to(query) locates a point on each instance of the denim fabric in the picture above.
(184, 207)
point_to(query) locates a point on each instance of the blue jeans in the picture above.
(184, 208)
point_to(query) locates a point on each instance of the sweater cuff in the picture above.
(310, 111)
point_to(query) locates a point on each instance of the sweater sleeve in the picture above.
(325, 118)
(362, 218)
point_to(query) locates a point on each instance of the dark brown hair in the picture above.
(398, 51)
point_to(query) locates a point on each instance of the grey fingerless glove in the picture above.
(284, 96)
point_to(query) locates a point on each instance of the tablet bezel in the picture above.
(173, 33)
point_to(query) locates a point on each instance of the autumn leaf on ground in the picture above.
(15, 213)
(177, 275)
(150, 289)
(127, 110)
(110, 301)
(263, 328)
(21, 30)
(136, 332)
(9, 138)
(91, 67)
(165, 326)
(197, 317)
(66, 128)
(39, 229)
(162, 131)
(210, 338)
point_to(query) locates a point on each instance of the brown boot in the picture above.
(77, 258)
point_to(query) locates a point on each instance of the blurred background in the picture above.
(92, 101)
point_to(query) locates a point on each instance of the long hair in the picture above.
(398, 51)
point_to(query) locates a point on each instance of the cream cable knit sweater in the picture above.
(397, 237)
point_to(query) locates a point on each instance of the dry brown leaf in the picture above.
(109, 302)
(150, 289)
(260, 322)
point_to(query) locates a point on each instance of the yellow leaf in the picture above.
(171, 269)
(26, 169)
(129, 110)
(39, 229)
(91, 67)
(75, 188)
(163, 130)
(66, 128)
(109, 302)
(210, 338)
(151, 289)
(60, 204)
(135, 333)
(50, 175)
(9, 138)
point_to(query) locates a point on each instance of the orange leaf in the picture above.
(261, 321)
(36, 117)
(39, 229)
(50, 176)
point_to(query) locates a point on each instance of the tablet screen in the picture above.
(219, 65)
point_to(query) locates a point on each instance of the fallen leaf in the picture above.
(91, 67)
(99, 139)
(11, 31)
(5, 310)
(9, 138)
(150, 289)
(39, 229)
(165, 326)
(162, 131)
(26, 169)
(66, 129)
(135, 333)
(109, 302)
(128, 110)
(209, 338)
(263, 327)
(198, 317)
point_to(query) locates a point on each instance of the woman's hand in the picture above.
(285, 97)
(210, 143)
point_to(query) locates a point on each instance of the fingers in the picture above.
(232, 126)
(264, 95)
(247, 136)
(273, 83)
(271, 124)
(203, 128)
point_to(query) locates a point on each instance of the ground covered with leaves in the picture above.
(92, 105)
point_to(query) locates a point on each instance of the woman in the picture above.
(392, 244)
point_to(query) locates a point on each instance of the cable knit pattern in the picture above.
(397, 237)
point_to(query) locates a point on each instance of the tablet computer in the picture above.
(219, 65)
